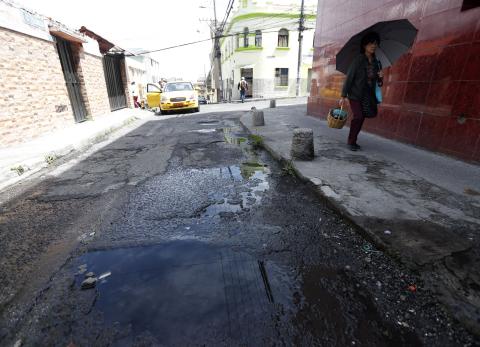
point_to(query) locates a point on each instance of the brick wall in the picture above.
(33, 96)
(94, 88)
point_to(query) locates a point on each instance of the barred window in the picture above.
(281, 77)
(283, 38)
(258, 38)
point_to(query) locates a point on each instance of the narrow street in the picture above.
(198, 237)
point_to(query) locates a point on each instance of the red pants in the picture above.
(136, 104)
(357, 121)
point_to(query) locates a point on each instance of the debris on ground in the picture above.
(412, 288)
(89, 274)
(104, 275)
(89, 283)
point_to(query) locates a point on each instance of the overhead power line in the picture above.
(227, 13)
(199, 41)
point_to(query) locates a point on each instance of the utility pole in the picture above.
(301, 28)
(218, 55)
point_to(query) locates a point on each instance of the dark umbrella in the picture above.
(396, 38)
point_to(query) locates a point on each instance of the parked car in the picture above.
(175, 96)
(202, 100)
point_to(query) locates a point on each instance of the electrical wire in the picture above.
(284, 21)
(286, 10)
(225, 18)
(195, 42)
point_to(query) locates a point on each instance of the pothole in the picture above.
(205, 289)
(250, 183)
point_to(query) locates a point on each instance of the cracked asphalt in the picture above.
(197, 238)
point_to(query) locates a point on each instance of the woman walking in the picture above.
(359, 87)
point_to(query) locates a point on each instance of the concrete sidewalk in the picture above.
(20, 161)
(420, 207)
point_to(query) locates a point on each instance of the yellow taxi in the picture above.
(175, 96)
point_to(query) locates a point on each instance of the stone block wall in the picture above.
(33, 95)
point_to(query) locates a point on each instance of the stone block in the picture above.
(258, 119)
(302, 144)
(273, 103)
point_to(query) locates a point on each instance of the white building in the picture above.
(142, 69)
(261, 44)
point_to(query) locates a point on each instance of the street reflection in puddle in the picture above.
(187, 290)
(251, 176)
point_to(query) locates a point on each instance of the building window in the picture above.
(258, 38)
(283, 38)
(237, 41)
(245, 37)
(281, 77)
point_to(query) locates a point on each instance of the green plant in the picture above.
(18, 169)
(50, 158)
(256, 141)
(288, 168)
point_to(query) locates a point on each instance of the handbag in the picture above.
(378, 93)
(378, 89)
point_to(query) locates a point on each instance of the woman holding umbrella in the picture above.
(364, 74)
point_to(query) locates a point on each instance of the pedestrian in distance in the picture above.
(242, 87)
(136, 104)
(363, 76)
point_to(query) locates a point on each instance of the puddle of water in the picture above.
(188, 292)
(203, 131)
(233, 136)
(208, 122)
(184, 292)
(253, 176)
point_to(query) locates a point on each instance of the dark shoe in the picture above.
(353, 148)
(357, 146)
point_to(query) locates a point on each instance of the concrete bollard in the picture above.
(302, 144)
(258, 119)
(273, 103)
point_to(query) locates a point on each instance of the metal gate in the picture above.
(113, 77)
(71, 79)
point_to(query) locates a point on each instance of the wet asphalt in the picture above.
(196, 237)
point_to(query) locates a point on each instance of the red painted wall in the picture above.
(432, 94)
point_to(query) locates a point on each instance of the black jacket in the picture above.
(356, 80)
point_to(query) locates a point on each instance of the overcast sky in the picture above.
(147, 24)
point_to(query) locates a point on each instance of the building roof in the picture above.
(105, 45)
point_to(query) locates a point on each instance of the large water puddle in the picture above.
(188, 292)
(184, 292)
